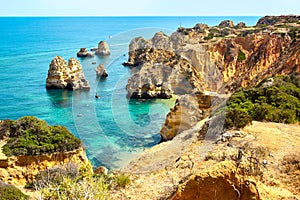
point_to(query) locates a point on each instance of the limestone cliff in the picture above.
(66, 76)
(29, 145)
(19, 170)
(218, 59)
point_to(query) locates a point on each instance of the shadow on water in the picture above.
(60, 98)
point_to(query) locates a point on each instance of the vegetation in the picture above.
(10, 192)
(274, 102)
(71, 182)
(32, 136)
(241, 56)
(122, 180)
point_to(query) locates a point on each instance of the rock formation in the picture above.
(272, 20)
(219, 59)
(227, 23)
(83, 52)
(103, 49)
(101, 71)
(63, 76)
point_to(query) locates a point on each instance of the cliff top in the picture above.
(32, 136)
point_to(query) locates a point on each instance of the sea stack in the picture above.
(63, 76)
(103, 49)
(101, 71)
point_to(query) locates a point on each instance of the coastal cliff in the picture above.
(220, 59)
(66, 76)
(29, 145)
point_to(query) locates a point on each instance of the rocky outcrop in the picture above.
(19, 170)
(226, 23)
(272, 20)
(101, 71)
(219, 59)
(103, 49)
(66, 76)
(83, 52)
(187, 112)
(241, 25)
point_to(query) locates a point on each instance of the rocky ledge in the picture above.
(63, 76)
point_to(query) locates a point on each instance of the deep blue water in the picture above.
(113, 128)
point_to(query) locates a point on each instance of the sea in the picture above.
(114, 129)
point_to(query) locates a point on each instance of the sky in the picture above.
(148, 7)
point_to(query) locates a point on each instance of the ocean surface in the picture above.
(114, 129)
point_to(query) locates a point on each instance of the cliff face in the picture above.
(219, 59)
(18, 170)
(63, 76)
(29, 145)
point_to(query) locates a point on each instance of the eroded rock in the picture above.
(103, 49)
(63, 76)
(101, 71)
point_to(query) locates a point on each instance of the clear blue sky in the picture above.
(148, 7)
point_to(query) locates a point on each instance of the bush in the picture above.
(279, 103)
(236, 118)
(10, 192)
(241, 56)
(122, 180)
(32, 136)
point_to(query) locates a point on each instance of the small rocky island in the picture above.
(66, 76)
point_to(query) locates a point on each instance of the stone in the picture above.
(241, 25)
(82, 52)
(101, 71)
(200, 27)
(103, 49)
(63, 76)
(227, 23)
(101, 170)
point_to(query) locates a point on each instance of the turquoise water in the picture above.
(113, 128)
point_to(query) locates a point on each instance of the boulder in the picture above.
(241, 25)
(227, 23)
(63, 76)
(83, 52)
(103, 49)
(101, 170)
(200, 27)
(101, 71)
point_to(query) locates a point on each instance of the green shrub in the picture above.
(241, 56)
(237, 118)
(32, 136)
(279, 102)
(122, 180)
(10, 192)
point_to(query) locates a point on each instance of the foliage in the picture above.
(10, 192)
(71, 182)
(241, 56)
(279, 102)
(122, 180)
(32, 136)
